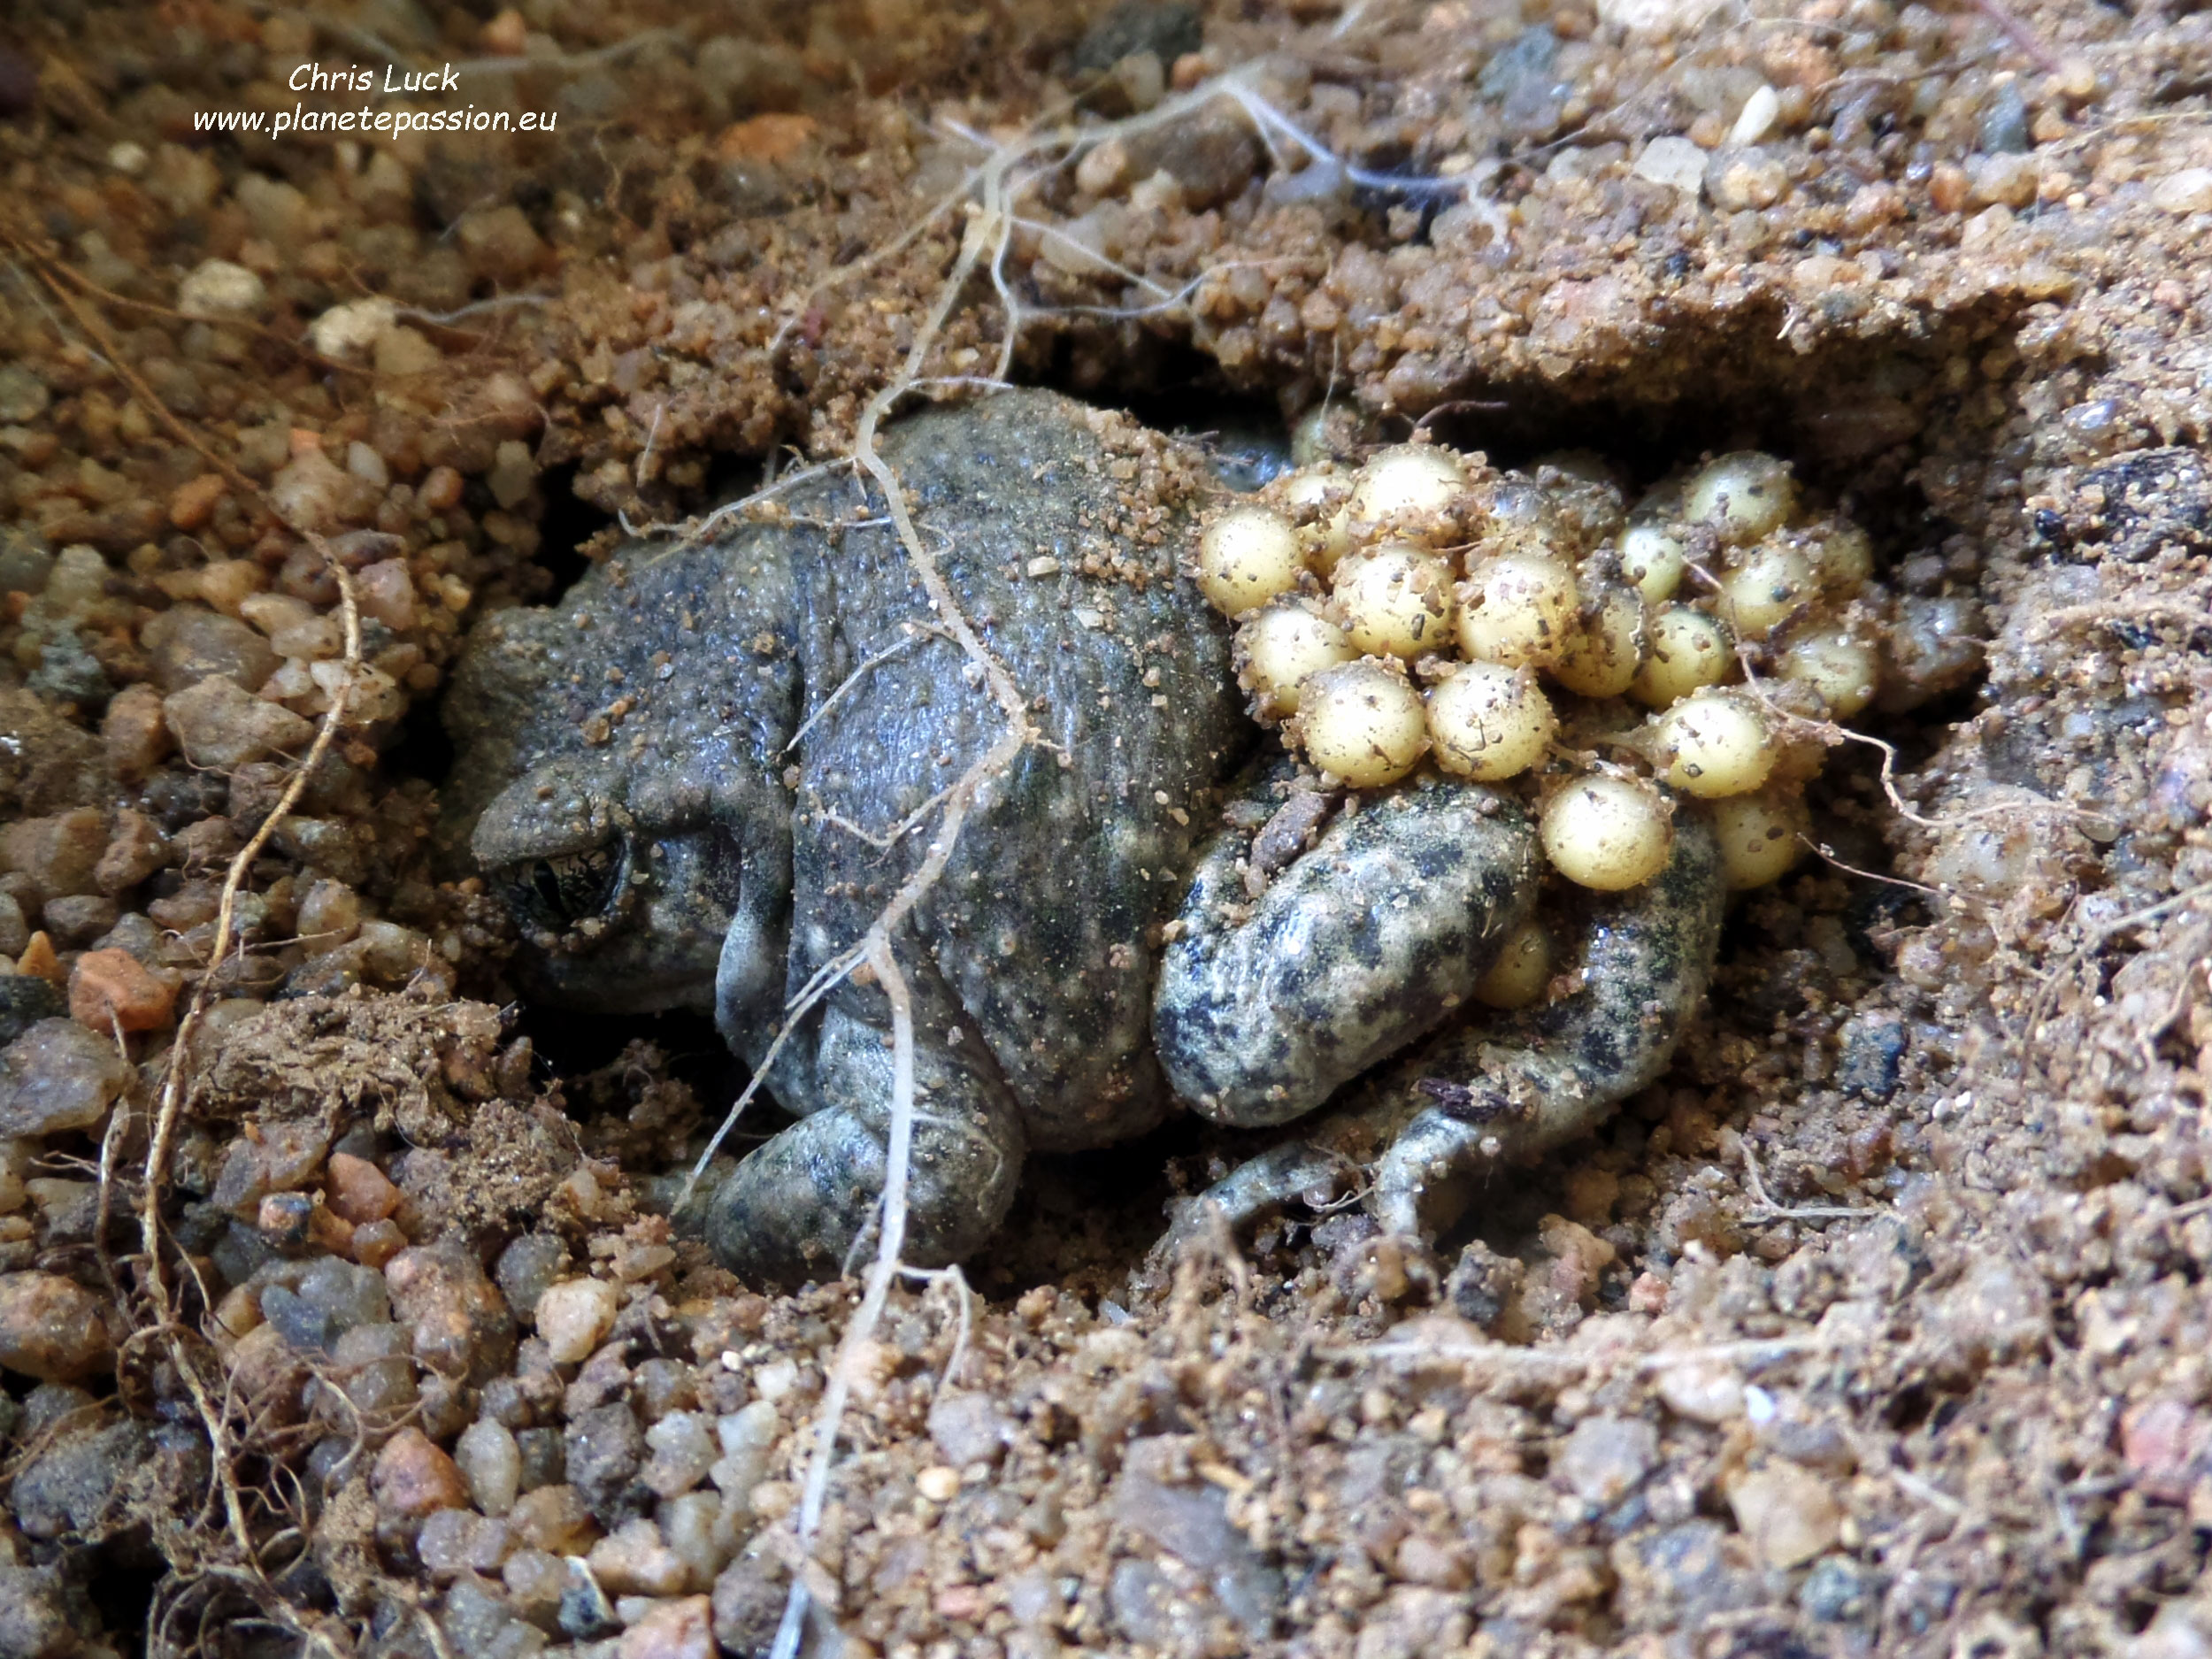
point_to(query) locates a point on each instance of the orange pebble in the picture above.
(39, 961)
(194, 503)
(412, 1478)
(771, 137)
(505, 35)
(112, 988)
(358, 1190)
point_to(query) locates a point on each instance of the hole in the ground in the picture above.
(125, 1576)
(569, 522)
(1113, 1198)
(570, 1043)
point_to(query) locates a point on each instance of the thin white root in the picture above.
(992, 186)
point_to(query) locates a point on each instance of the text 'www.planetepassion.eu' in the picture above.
(371, 118)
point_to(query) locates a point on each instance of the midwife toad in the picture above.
(688, 796)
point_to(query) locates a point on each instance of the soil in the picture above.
(1880, 1326)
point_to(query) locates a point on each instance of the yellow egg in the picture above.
(1766, 588)
(1395, 601)
(1361, 721)
(1522, 973)
(1281, 643)
(1607, 834)
(1326, 534)
(1742, 496)
(1845, 671)
(1412, 479)
(1603, 654)
(1654, 557)
(1683, 650)
(1516, 609)
(1843, 554)
(1714, 743)
(1246, 557)
(1759, 835)
(1525, 519)
(1487, 722)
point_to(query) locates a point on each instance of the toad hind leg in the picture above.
(1506, 1088)
(802, 1204)
(1368, 941)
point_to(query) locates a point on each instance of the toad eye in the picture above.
(558, 893)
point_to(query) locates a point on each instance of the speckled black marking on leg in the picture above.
(1554, 1072)
(1366, 943)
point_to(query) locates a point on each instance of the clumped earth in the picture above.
(334, 1320)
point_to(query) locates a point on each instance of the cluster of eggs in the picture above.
(1532, 627)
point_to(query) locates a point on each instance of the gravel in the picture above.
(59, 1075)
(1958, 282)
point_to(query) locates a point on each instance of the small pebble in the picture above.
(23, 397)
(38, 961)
(350, 331)
(370, 1363)
(52, 1328)
(514, 471)
(1786, 1512)
(59, 1075)
(112, 989)
(25, 999)
(191, 505)
(461, 1325)
(135, 850)
(57, 855)
(674, 1630)
(79, 919)
(412, 1478)
(1605, 1458)
(135, 734)
(219, 290)
(747, 1436)
(554, 1519)
(186, 644)
(692, 1524)
(525, 1268)
(1704, 1392)
(491, 1463)
(403, 351)
(455, 1541)
(604, 1450)
(377, 1242)
(939, 1483)
(220, 727)
(535, 1580)
(969, 1427)
(1673, 161)
(634, 1561)
(2187, 191)
(359, 1191)
(574, 1316)
(683, 1447)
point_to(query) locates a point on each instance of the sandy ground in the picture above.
(1878, 1326)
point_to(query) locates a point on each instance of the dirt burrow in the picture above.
(1878, 1326)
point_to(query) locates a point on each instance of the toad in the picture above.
(697, 778)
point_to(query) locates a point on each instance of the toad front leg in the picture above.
(1478, 1094)
(804, 1204)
